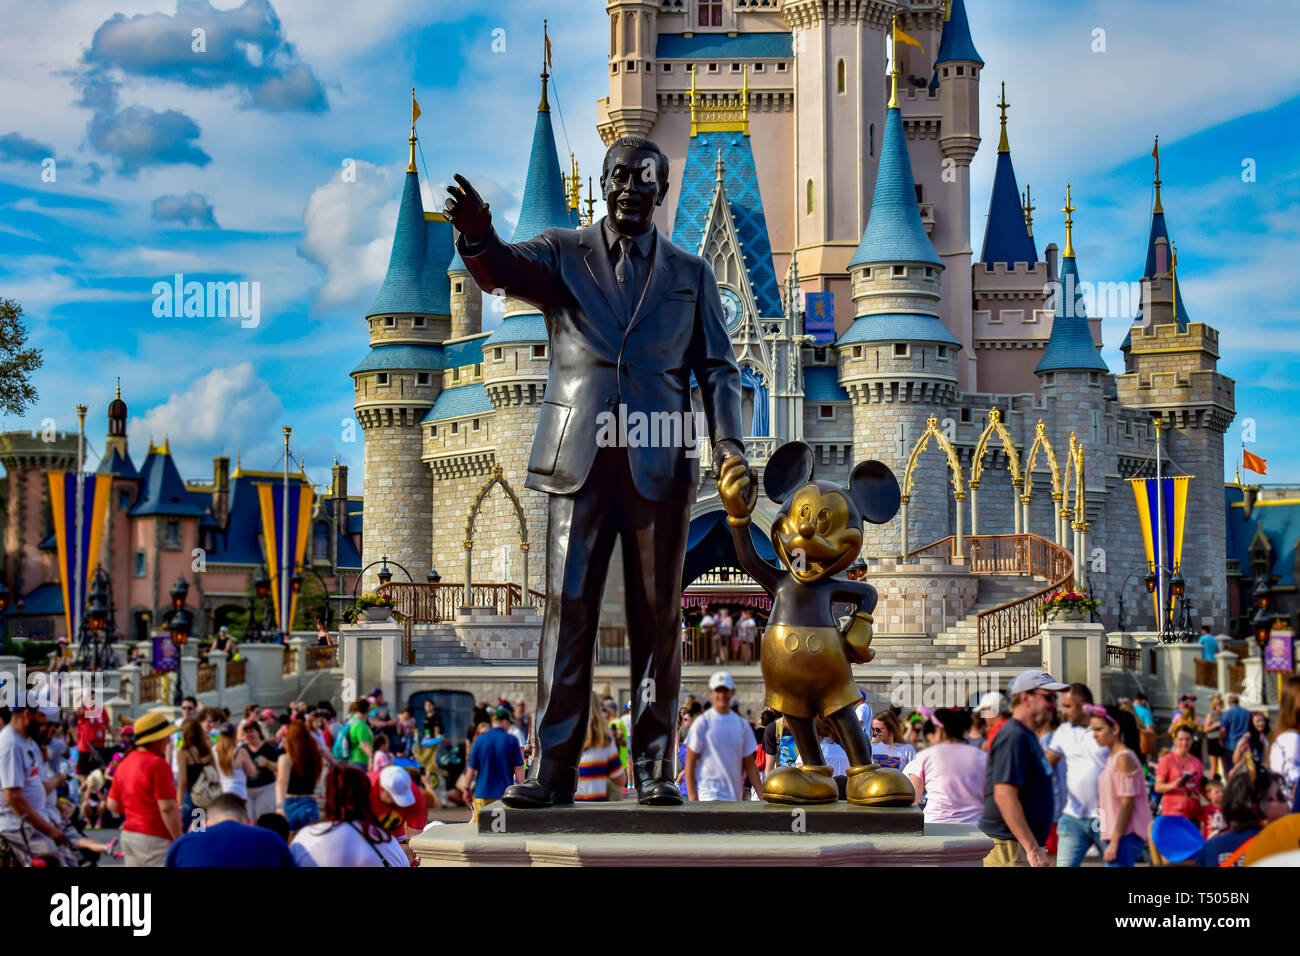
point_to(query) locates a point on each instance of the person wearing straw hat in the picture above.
(144, 792)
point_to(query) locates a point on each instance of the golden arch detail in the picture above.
(954, 466)
(1008, 446)
(932, 428)
(1041, 441)
(498, 478)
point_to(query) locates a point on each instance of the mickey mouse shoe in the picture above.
(796, 785)
(871, 785)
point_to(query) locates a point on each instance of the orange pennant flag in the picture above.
(1253, 462)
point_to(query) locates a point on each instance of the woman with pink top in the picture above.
(950, 771)
(1125, 810)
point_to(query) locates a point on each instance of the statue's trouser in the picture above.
(579, 543)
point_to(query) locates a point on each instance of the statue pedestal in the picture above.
(700, 834)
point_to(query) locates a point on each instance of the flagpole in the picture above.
(1160, 538)
(77, 590)
(284, 543)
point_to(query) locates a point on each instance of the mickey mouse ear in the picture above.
(876, 491)
(789, 468)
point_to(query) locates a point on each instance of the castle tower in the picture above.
(839, 71)
(631, 109)
(1172, 371)
(896, 360)
(117, 415)
(1009, 285)
(397, 382)
(1074, 379)
(492, 393)
(957, 69)
(1157, 270)
(466, 299)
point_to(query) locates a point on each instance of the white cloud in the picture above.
(225, 408)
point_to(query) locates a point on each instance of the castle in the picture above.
(832, 199)
(158, 526)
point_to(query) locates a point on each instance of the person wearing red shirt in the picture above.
(1178, 778)
(397, 804)
(144, 792)
(91, 727)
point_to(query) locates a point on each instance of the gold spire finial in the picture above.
(718, 168)
(894, 69)
(415, 115)
(119, 386)
(1155, 152)
(544, 106)
(591, 203)
(1003, 145)
(1068, 209)
(1029, 208)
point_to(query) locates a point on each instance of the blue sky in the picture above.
(226, 164)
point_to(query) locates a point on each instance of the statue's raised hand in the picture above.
(467, 211)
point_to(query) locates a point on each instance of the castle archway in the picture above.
(497, 479)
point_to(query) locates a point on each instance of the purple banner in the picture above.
(1279, 653)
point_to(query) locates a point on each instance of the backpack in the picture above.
(342, 748)
(786, 752)
(206, 787)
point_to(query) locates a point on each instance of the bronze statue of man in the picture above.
(630, 317)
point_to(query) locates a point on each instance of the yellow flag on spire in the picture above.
(549, 65)
(907, 38)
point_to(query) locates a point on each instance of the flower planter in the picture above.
(1073, 616)
(376, 613)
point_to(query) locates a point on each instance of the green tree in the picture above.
(17, 362)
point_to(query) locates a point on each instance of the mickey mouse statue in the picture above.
(806, 655)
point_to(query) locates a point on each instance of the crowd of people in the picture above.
(1044, 771)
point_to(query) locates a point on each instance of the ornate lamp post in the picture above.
(1262, 623)
(178, 625)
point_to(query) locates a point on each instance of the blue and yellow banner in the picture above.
(271, 499)
(63, 505)
(819, 316)
(1148, 499)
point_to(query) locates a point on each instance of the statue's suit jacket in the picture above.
(602, 357)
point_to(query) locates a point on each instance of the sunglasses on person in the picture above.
(1047, 695)
(876, 731)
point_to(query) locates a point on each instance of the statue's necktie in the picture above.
(626, 275)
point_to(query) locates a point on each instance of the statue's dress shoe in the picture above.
(532, 795)
(871, 785)
(810, 784)
(658, 793)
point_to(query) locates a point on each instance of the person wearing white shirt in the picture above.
(720, 748)
(864, 715)
(1072, 749)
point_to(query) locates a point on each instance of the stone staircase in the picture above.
(958, 644)
(439, 646)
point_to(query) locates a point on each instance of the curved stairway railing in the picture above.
(433, 603)
(1015, 621)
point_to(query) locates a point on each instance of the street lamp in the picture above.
(178, 625)
(857, 570)
(1151, 581)
(434, 577)
(1178, 585)
(384, 575)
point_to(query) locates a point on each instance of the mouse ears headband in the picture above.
(872, 486)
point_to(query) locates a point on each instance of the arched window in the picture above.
(841, 78)
(321, 541)
(810, 197)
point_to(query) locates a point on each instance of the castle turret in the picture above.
(1008, 285)
(1172, 372)
(397, 383)
(1161, 299)
(466, 299)
(631, 108)
(957, 69)
(897, 359)
(492, 391)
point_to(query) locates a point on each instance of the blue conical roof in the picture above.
(1159, 230)
(416, 280)
(544, 204)
(894, 232)
(956, 43)
(1070, 346)
(1006, 237)
(162, 491)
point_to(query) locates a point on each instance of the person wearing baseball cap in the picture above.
(1018, 793)
(23, 825)
(144, 792)
(397, 803)
(720, 748)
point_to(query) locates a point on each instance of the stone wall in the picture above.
(399, 498)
